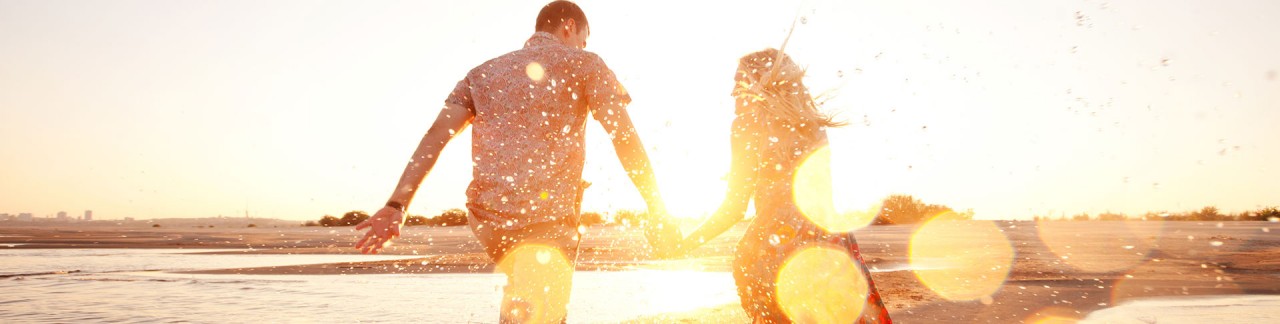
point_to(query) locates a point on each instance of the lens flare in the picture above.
(1100, 246)
(976, 256)
(539, 278)
(821, 284)
(811, 189)
(535, 72)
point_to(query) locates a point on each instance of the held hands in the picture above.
(383, 226)
(663, 235)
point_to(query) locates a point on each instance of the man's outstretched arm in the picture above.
(662, 234)
(630, 150)
(386, 223)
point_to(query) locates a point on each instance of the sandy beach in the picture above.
(1055, 270)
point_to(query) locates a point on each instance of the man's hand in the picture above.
(383, 226)
(663, 235)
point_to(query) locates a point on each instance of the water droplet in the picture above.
(511, 179)
(773, 139)
(804, 20)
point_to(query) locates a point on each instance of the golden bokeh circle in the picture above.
(960, 259)
(821, 284)
(1100, 246)
(1053, 315)
(538, 285)
(811, 189)
(535, 71)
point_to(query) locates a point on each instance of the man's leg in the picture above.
(539, 279)
(538, 261)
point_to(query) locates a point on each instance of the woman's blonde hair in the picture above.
(770, 85)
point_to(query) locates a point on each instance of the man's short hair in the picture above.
(554, 14)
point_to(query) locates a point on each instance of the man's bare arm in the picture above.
(661, 233)
(451, 121)
(631, 152)
(385, 224)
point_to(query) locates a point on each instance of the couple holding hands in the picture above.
(528, 111)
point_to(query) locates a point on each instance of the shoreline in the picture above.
(1183, 259)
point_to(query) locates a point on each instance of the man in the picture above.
(529, 109)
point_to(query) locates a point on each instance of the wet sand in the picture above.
(1059, 269)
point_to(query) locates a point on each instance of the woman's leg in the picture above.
(754, 273)
(874, 311)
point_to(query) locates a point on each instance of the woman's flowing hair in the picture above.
(770, 86)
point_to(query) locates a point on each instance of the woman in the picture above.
(776, 128)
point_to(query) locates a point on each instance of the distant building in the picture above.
(26, 217)
(62, 216)
(6, 217)
(128, 219)
(88, 215)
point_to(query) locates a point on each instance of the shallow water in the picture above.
(1193, 309)
(113, 288)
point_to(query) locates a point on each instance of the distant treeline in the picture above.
(452, 217)
(905, 209)
(895, 209)
(1208, 213)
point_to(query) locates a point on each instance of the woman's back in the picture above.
(779, 152)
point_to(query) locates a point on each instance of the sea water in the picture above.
(138, 285)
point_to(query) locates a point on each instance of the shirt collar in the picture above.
(541, 39)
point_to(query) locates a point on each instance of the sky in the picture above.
(298, 109)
